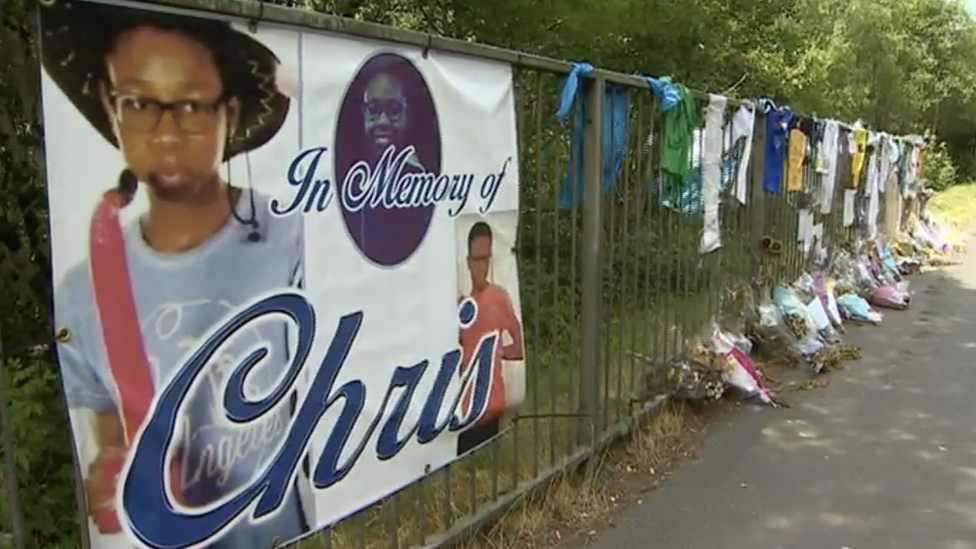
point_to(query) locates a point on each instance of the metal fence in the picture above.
(609, 284)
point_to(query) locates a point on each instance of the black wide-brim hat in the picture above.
(77, 35)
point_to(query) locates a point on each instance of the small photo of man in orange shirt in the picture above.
(495, 313)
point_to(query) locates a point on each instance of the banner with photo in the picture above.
(285, 284)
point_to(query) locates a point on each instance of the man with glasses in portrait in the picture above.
(386, 119)
(179, 97)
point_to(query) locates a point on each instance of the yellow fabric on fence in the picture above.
(857, 158)
(796, 150)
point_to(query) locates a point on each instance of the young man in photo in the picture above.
(178, 96)
(495, 313)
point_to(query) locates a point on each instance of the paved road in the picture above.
(882, 458)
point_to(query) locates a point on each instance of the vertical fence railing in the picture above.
(612, 283)
(590, 254)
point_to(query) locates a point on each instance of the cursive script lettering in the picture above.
(157, 521)
(312, 192)
(397, 180)
(490, 187)
(391, 185)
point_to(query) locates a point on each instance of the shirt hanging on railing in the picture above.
(777, 125)
(860, 138)
(849, 197)
(913, 164)
(887, 157)
(903, 179)
(831, 139)
(796, 150)
(893, 147)
(819, 154)
(712, 172)
(678, 125)
(685, 195)
(743, 126)
(874, 204)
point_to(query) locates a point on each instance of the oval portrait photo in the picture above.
(387, 132)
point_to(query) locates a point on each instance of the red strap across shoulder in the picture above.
(118, 320)
(117, 316)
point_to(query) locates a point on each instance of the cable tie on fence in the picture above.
(252, 24)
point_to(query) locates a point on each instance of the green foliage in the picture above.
(44, 465)
(955, 206)
(39, 421)
(940, 169)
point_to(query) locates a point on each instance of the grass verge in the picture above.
(955, 205)
(576, 506)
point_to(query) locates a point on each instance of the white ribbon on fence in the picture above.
(712, 172)
(831, 149)
(743, 125)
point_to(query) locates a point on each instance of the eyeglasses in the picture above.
(392, 108)
(143, 113)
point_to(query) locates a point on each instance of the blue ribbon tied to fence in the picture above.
(686, 199)
(614, 133)
(663, 88)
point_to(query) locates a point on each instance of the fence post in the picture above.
(758, 205)
(592, 275)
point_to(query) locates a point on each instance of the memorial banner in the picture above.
(285, 284)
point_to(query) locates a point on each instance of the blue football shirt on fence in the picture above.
(179, 297)
(777, 127)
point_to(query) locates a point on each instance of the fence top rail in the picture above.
(256, 11)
